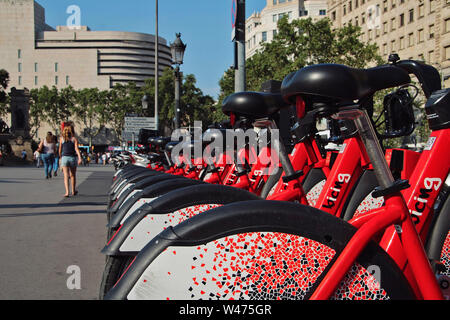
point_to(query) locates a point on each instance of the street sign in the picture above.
(133, 125)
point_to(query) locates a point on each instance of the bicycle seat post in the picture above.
(281, 149)
(371, 143)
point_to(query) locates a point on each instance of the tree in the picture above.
(194, 104)
(300, 43)
(89, 109)
(120, 101)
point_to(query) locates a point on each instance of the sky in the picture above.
(205, 26)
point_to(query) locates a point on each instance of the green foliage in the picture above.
(96, 109)
(300, 43)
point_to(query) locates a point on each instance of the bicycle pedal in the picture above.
(397, 186)
(444, 284)
(294, 176)
(438, 266)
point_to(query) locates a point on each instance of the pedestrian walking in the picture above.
(70, 158)
(56, 162)
(37, 157)
(47, 148)
(104, 159)
(24, 155)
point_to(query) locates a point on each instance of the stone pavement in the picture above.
(42, 233)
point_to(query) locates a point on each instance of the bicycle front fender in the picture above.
(169, 210)
(248, 250)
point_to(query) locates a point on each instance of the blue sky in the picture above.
(205, 26)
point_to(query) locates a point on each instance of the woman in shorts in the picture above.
(70, 158)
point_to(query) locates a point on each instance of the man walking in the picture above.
(37, 157)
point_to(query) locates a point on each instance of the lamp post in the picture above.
(177, 48)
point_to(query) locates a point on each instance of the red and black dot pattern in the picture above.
(445, 255)
(257, 266)
(368, 204)
(313, 195)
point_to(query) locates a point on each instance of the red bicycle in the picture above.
(280, 250)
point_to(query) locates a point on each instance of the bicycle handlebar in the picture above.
(428, 76)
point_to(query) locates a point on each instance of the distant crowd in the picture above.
(102, 158)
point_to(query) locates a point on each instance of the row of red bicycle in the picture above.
(292, 219)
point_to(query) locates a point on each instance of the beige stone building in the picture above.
(262, 26)
(415, 29)
(35, 54)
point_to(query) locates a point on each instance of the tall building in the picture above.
(36, 54)
(262, 26)
(415, 29)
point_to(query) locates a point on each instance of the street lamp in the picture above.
(177, 48)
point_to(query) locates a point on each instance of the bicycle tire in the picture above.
(438, 242)
(255, 250)
(271, 182)
(114, 267)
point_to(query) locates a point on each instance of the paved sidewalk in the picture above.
(42, 233)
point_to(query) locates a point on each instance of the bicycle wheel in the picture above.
(264, 250)
(114, 267)
(438, 242)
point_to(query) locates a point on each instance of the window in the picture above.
(447, 53)
(56, 66)
(385, 50)
(274, 1)
(432, 6)
(385, 27)
(274, 33)
(35, 67)
(35, 80)
(322, 12)
(274, 18)
(19, 54)
(56, 80)
(264, 36)
(281, 1)
(393, 46)
(392, 24)
(350, 8)
(20, 80)
(333, 16)
(411, 39)
(431, 57)
(401, 21)
(447, 25)
(421, 10)
(421, 37)
(411, 15)
(402, 43)
(385, 6)
(431, 31)
(393, 4)
(345, 10)
(363, 18)
(19, 67)
(67, 80)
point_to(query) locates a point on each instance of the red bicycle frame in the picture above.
(401, 225)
